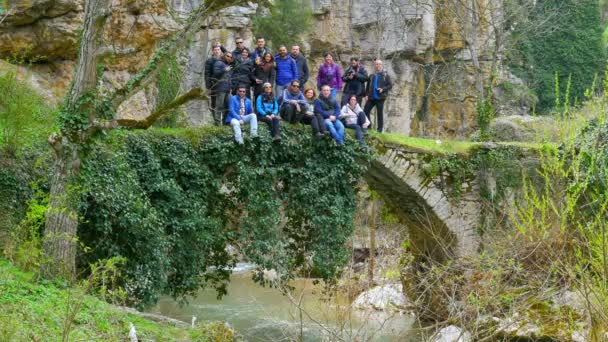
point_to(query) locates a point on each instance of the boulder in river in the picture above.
(381, 298)
(451, 333)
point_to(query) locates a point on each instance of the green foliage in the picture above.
(502, 163)
(41, 311)
(573, 49)
(485, 114)
(25, 248)
(24, 117)
(23, 182)
(170, 206)
(168, 85)
(285, 24)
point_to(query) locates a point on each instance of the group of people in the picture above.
(277, 82)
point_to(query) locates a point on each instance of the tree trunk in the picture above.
(62, 219)
(372, 241)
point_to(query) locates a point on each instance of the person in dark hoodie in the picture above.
(222, 74)
(301, 63)
(287, 70)
(354, 79)
(243, 73)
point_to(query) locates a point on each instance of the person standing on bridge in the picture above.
(377, 90)
(330, 74)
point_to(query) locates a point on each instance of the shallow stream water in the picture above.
(264, 314)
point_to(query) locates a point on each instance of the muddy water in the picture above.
(264, 314)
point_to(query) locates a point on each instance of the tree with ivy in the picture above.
(88, 111)
(286, 21)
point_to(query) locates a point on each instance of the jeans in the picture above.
(250, 119)
(379, 111)
(358, 127)
(336, 129)
(334, 93)
(273, 124)
(278, 90)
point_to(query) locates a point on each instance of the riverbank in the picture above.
(33, 310)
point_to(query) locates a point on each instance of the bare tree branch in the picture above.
(194, 93)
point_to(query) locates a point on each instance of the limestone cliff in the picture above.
(426, 45)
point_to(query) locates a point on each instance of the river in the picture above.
(264, 314)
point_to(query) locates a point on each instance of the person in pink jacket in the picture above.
(330, 74)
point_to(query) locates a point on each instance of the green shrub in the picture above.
(171, 201)
(24, 117)
(286, 22)
(572, 48)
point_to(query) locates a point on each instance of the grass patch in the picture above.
(25, 118)
(429, 145)
(32, 310)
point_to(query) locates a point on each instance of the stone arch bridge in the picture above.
(441, 226)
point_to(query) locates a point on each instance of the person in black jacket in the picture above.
(242, 76)
(354, 79)
(222, 75)
(216, 55)
(378, 87)
(301, 63)
(237, 52)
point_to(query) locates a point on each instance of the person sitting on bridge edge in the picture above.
(328, 107)
(240, 113)
(354, 118)
(293, 103)
(267, 108)
(315, 120)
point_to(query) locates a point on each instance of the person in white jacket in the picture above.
(354, 118)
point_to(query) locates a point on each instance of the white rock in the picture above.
(451, 334)
(381, 298)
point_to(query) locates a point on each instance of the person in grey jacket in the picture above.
(293, 103)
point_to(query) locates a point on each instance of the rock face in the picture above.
(424, 48)
(422, 42)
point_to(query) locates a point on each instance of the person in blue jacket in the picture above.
(327, 106)
(240, 113)
(287, 70)
(267, 108)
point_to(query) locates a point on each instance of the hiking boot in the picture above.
(319, 136)
(276, 138)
